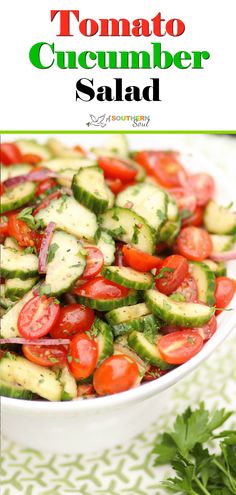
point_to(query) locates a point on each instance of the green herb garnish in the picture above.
(199, 471)
(51, 252)
(163, 271)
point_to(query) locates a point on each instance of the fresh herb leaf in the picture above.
(26, 216)
(177, 297)
(118, 232)
(115, 216)
(51, 252)
(163, 271)
(185, 214)
(136, 233)
(45, 290)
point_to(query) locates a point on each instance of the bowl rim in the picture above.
(156, 386)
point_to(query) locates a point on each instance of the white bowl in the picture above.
(96, 424)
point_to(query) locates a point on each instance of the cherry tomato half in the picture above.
(44, 185)
(83, 355)
(85, 390)
(74, 318)
(101, 288)
(10, 153)
(114, 168)
(206, 331)
(37, 317)
(171, 273)
(186, 201)
(46, 201)
(94, 262)
(196, 219)
(115, 374)
(194, 243)
(45, 355)
(164, 166)
(225, 290)
(116, 185)
(139, 260)
(31, 158)
(20, 231)
(2, 189)
(188, 289)
(153, 373)
(179, 347)
(203, 186)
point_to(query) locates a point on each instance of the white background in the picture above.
(35, 99)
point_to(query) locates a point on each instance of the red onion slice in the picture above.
(225, 256)
(45, 246)
(34, 175)
(18, 340)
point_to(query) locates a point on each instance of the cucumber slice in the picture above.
(146, 349)
(30, 146)
(14, 391)
(9, 320)
(14, 170)
(222, 242)
(15, 287)
(111, 197)
(10, 242)
(102, 333)
(128, 277)
(18, 264)
(205, 280)
(108, 304)
(127, 226)
(89, 189)
(38, 379)
(177, 313)
(70, 216)
(219, 220)
(147, 201)
(59, 164)
(107, 246)
(68, 383)
(60, 150)
(128, 313)
(143, 324)
(65, 177)
(116, 144)
(5, 302)
(218, 268)
(67, 262)
(17, 196)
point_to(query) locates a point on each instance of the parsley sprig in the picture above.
(199, 471)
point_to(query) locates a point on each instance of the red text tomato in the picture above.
(115, 374)
(188, 289)
(140, 261)
(203, 186)
(186, 201)
(114, 168)
(225, 290)
(37, 317)
(171, 273)
(196, 219)
(83, 355)
(101, 288)
(194, 243)
(94, 262)
(74, 318)
(20, 231)
(46, 355)
(164, 166)
(31, 158)
(44, 186)
(179, 347)
(9, 154)
(46, 201)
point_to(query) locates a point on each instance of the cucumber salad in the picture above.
(113, 267)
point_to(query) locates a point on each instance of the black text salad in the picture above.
(113, 267)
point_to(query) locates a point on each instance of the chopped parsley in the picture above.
(185, 214)
(45, 290)
(118, 232)
(136, 233)
(51, 252)
(163, 271)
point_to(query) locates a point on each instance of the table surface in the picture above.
(127, 469)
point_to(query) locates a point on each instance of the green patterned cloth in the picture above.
(128, 469)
